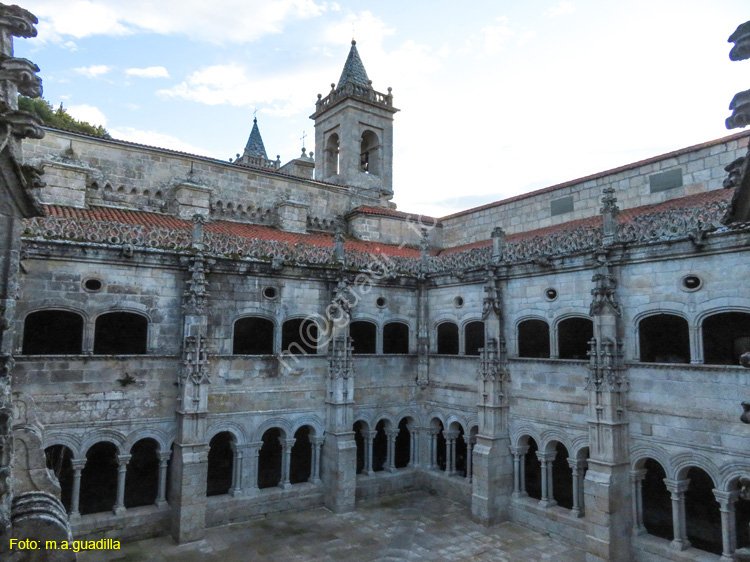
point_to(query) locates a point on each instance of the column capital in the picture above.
(677, 486)
(78, 464)
(546, 456)
(287, 441)
(369, 433)
(434, 431)
(450, 434)
(392, 433)
(123, 459)
(579, 464)
(519, 450)
(638, 475)
(726, 499)
(317, 439)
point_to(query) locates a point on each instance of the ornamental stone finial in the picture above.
(741, 40)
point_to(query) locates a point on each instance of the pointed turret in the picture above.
(255, 151)
(254, 147)
(354, 71)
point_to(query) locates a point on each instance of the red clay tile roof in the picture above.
(386, 212)
(598, 175)
(243, 230)
(625, 216)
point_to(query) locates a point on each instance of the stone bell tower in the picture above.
(354, 132)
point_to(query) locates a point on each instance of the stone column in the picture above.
(161, 498)
(121, 473)
(236, 488)
(469, 452)
(251, 466)
(286, 460)
(450, 452)
(522, 472)
(434, 432)
(413, 445)
(519, 453)
(636, 477)
(369, 437)
(317, 444)
(578, 466)
(677, 489)
(78, 466)
(728, 523)
(546, 458)
(390, 461)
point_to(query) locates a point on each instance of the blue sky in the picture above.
(497, 98)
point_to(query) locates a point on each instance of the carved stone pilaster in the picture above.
(423, 336)
(607, 486)
(609, 211)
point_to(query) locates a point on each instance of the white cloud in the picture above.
(148, 72)
(70, 46)
(153, 138)
(560, 9)
(494, 36)
(88, 113)
(238, 21)
(94, 70)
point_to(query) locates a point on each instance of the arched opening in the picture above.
(664, 338)
(253, 336)
(440, 444)
(396, 338)
(332, 155)
(657, 501)
(702, 515)
(562, 478)
(533, 471)
(461, 451)
(742, 519)
(364, 336)
(369, 158)
(53, 332)
(359, 439)
(58, 458)
(447, 339)
(533, 339)
(99, 479)
(299, 336)
(269, 459)
(380, 447)
(120, 333)
(573, 337)
(473, 338)
(142, 477)
(403, 444)
(726, 336)
(220, 464)
(301, 459)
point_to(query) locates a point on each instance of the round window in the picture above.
(691, 283)
(381, 302)
(550, 294)
(458, 302)
(270, 292)
(93, 285)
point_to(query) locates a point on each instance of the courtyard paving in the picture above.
(411, 527)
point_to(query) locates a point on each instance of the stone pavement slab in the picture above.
(412, 527)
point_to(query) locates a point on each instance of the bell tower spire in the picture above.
(354, 132)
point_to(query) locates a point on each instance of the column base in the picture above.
(236, 493)
(119, 510)
(285, 485)
(517, 495)
(161, 503)
(544, 504)
(315, 481)
(390, 470)
(679, 545)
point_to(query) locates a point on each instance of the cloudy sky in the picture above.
(497, 98)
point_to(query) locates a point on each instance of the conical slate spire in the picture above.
(254, 147)
(354, 71)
